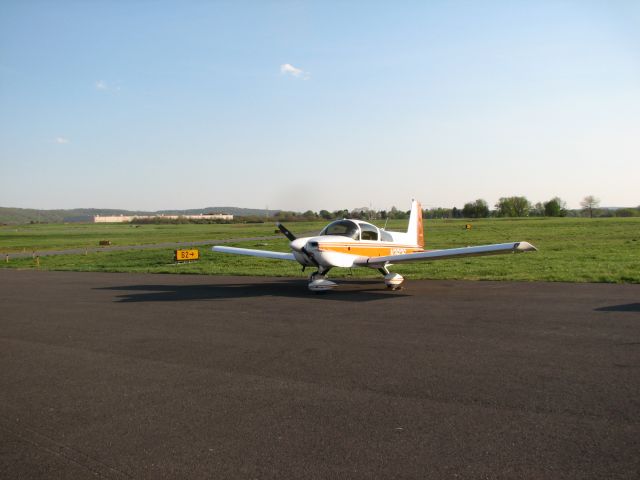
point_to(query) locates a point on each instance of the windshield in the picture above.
(344, 228)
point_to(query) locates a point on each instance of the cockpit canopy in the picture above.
(351, 229)
(343, 228)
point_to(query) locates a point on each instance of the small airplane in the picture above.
(353, 243)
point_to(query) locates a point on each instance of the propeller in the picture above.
(285, 231)
(299, 246)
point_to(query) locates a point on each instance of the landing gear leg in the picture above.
(321, 274)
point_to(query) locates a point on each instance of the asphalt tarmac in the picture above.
(175, 376)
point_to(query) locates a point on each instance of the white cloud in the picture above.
(288, 69)
(62, 140)
(105, 86)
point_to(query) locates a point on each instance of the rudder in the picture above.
(415, 230)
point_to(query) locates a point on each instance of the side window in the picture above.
(386, 237)
(368, 232)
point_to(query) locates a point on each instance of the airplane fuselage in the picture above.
(339, 251)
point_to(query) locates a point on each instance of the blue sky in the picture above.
(310, 105)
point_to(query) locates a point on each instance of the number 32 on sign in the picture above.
(187, 255)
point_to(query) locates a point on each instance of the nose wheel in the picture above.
(316, 276)
(318, 281)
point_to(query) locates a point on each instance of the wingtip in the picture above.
(525, 247)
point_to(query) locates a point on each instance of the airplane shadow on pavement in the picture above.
(629, 307)
(349, 291)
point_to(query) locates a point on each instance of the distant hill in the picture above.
(29, 215)
(235, 211)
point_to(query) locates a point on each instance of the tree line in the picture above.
(555, 207)
(516, 206)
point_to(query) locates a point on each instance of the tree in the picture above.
(513, 207)
(589, 204)
(626, 212)
(310, 215)
(396, 214)
(555, 207)
(326, 214)
(438, 212)
(477, 209)
(537, 210)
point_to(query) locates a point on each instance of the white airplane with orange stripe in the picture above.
(353, 243)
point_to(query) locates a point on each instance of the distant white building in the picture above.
(130, 218)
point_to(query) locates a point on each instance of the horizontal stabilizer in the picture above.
(255, 253)
(481, 250)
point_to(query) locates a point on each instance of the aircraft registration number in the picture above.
(398, 251)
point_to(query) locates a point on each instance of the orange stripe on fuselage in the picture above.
(369, 249)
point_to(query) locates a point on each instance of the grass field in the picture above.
(570, 249)
(21, 238)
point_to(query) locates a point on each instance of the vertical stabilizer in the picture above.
(415, 231)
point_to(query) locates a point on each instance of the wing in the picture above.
(494, 249)
(255, 253)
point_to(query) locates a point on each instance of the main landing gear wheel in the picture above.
(393, 281)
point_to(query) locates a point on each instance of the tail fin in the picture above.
(415, 230)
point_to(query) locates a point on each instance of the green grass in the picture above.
(28, 238)
(570, 250)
